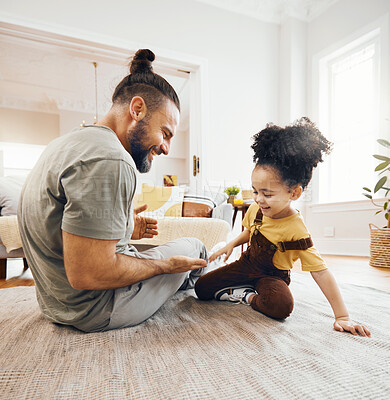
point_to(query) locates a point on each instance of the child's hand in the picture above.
(346, 325)
(225, 250)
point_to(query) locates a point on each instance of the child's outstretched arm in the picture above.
(328, 285)
(242, 238)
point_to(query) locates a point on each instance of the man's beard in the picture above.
(136, 137)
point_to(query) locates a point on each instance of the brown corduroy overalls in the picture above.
(255, 268)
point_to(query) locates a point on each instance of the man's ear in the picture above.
(296, 192)
(137, 108)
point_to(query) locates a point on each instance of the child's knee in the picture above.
(202, 290)
(274, 305)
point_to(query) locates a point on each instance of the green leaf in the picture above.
(380, 183)
(367, 189)
(367, 195)
(384, 171)
(383, 158)
(232, 190)
(384, 143)
(382, 165)
(378, 212)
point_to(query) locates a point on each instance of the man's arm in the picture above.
(93, 264)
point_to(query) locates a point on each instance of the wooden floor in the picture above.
(15, 275)
(355, 270)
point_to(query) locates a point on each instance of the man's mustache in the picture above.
(156, 149)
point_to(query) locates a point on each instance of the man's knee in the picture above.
(198, 246)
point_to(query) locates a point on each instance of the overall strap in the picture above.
(259, 218)
(301, 244)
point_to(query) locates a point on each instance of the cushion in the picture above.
(197, 206)
(10, 189)
(196, 210)
(161, 201)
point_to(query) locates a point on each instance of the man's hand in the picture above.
(182, 264)
(346, 325)
(144, 227)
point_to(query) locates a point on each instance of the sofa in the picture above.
(10, 245)
(179, 201)
(206, 216)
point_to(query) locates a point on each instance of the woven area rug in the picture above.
(197, 350)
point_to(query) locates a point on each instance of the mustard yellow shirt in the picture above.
(283, 230)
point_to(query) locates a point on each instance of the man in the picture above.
(76, 219)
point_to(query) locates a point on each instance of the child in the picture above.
(285, 159)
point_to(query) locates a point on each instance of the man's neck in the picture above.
(116, 121)
(109, 120)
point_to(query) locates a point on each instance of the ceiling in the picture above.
(274, 10)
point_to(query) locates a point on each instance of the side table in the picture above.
(243, 208)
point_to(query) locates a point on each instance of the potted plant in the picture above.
(232, 191)
(380, 237)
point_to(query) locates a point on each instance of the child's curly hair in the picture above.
(294, 151)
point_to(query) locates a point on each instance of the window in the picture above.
(349, 114)
(18, 158)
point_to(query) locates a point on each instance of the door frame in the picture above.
(96, 47)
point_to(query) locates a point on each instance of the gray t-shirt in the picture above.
(84, 184)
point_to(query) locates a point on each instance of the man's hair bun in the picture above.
(142, 62)
(143, 82)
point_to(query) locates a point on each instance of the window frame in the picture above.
(327, 98)
(378, 28)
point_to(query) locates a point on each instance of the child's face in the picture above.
(271, 194)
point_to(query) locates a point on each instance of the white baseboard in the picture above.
(346, 247)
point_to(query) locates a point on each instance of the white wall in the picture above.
(292, 70)
(242, 55)
(350, 221)
(24, 126)
(343, 228)
(1, 163)
(256, 74)
(72, 119)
